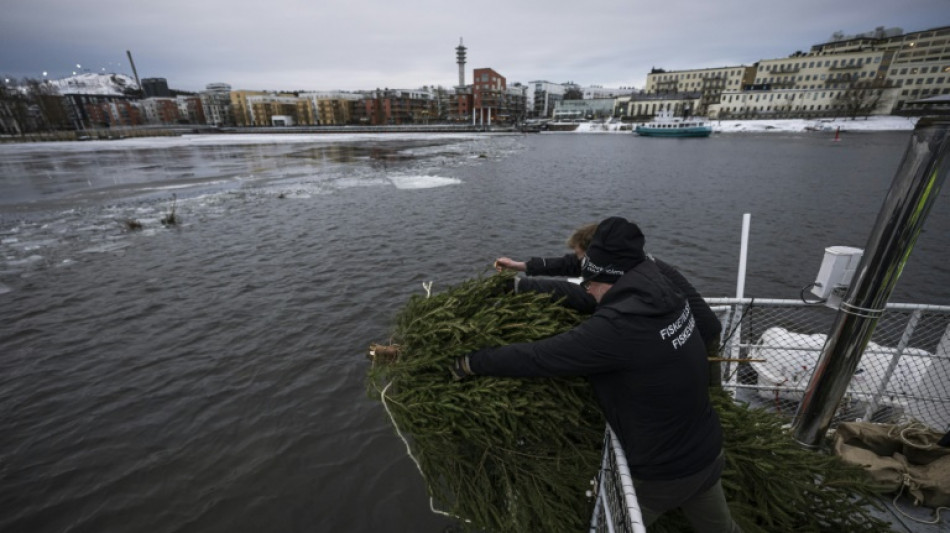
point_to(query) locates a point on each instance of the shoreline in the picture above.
(874, 123)
(790, 125)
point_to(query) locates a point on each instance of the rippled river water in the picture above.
(209, 376)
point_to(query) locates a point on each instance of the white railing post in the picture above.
(736, 342)
(901, 346)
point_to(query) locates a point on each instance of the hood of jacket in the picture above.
(643, 290)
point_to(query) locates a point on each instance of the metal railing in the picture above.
(616, 509)
(904, 373)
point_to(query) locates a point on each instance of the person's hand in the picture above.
(506, 263)
(460, 369)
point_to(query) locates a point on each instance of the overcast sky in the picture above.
(364, 44)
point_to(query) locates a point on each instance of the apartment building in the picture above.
(701, 88)
(279, 110)
(880, 72)
(94, 111)
(489, 89)
(813, 84)
(258, 108)
(216, 104)
(543, 96)
(396, 106)
(333, 108)
(190, 109)
(160, 110)
(920, 67)
(455, 104)
(240, 107)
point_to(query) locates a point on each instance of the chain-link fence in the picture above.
(771, 349)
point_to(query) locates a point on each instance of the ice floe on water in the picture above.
(107, 247)
(41, 230)
(422, 182)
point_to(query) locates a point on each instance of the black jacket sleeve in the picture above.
(568, 265)
(571, 294)
(581, 351)
(706, 320)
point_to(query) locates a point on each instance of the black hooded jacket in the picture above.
(642, 354)
(709, 325)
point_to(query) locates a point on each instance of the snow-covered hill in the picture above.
(92, 83)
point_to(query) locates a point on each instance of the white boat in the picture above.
(664, 124)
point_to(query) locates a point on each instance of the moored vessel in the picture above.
(664, 124)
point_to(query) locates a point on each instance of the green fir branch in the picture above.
(518, 455)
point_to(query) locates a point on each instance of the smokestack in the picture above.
(135, 72)
(460, 57)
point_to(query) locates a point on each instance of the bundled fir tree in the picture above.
(518, 455)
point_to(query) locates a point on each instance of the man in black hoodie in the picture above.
(538, 268)
(646, 362)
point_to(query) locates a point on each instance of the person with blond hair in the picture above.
(540, 270)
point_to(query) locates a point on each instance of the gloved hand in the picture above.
(460, 369)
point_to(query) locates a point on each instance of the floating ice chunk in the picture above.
(422, 182)
(109, 247)
(25, 261)
(4, 289)
(29, 246)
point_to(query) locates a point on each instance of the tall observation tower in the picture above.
(460, 59)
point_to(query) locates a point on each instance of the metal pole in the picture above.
(911, 196)
(743, 255)
(736, 337)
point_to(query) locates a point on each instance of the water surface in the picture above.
(210, 376)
